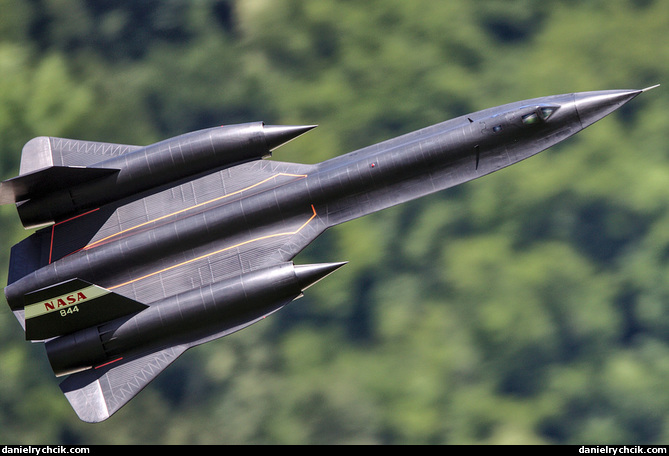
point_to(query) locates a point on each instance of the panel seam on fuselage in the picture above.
(269, 236)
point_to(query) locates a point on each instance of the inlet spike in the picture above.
(309, 274)
(278, 135)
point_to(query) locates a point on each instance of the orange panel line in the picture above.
(221, 250)
(99, 241)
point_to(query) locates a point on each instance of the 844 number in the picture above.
(68, 311)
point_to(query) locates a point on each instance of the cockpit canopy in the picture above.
(540, 113)
(528, 115)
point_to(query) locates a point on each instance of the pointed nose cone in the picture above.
(278, 135)
(309, 274)
(592, 106)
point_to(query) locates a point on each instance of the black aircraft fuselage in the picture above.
(152, 250)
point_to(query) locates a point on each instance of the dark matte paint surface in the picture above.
(201, 233)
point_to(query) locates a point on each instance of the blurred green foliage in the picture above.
(531, 306)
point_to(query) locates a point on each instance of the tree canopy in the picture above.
(530, 306)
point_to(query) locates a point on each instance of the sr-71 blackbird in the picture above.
(145, 252)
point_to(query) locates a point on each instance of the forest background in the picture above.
(530, 306)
